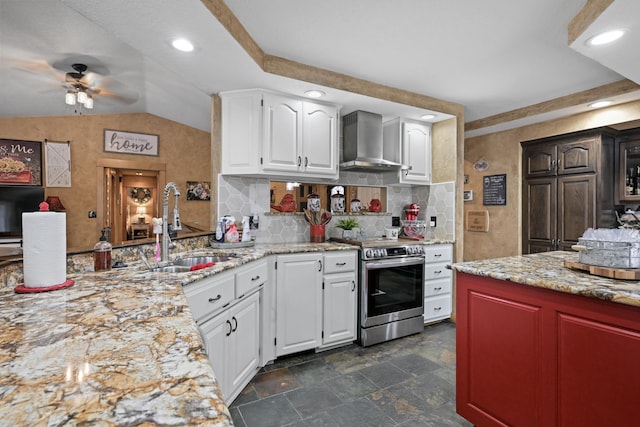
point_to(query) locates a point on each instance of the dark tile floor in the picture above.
(405, 382)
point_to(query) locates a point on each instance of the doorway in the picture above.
(129, 196)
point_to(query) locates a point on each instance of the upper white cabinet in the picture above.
(414, 140)
(265, 133)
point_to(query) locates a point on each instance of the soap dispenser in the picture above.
(102, 254)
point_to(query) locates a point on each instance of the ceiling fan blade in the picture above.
(93, 64)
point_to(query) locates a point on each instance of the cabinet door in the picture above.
(319, 139)
(282, 134)
(214, 336)
(243, 355)
(241, 132)
(576, 207)
(499, 365)
(539, 160)
(539, 215)
(416, 152)
(298, 302)
(598, 374)
(576, 156)
(629, 171)
(339, 308)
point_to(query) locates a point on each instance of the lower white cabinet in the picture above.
(298, 302)
(438, 282)
(232, 342)
(339, 298)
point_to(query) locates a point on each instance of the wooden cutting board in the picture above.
(612, 273)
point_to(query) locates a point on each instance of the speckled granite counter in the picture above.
(547, 270)
(117, 348)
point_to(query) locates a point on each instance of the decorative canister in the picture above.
(337, 203)
(313, 202)
(375, 205)
(355, 206)
(316, 233)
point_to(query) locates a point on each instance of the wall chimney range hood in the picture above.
(362, 145)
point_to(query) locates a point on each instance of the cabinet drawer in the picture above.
(209, 295)
(437, 307)
(339, 262)
(438, 253)
(436, 271)
(437, 287)
(251, 277)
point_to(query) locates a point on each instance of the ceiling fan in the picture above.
(79, 87)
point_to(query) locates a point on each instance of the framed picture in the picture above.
(198, 190)
(117, 141)
(20, 162)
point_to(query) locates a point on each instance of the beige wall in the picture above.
(502, 151)
(443, 151)
(185, 150)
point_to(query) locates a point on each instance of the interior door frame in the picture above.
(103, 165)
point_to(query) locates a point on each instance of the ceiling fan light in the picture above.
(70, 98)
(82, 96)
(89, 102)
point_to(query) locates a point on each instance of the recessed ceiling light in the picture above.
(183, 45)
(600, 104)
(314, 93)
(428, 116)
(606, 37)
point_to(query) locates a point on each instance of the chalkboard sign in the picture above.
(495, 190)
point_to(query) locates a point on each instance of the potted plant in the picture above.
(350, 228)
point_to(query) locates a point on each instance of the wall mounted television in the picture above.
(13, 202)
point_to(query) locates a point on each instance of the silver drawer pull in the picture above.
(437, 272)
(437, 255)
(253, 279)
(215, 299)
(340, 264)
(439, 288)
(437, 308)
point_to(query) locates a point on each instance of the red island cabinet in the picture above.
(528, 356)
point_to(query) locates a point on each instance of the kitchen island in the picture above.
(539, 344)
(119, 347)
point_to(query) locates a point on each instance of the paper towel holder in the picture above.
(55, 204)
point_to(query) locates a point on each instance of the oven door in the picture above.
(392, 289)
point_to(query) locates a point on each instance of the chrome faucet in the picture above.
(165, 218)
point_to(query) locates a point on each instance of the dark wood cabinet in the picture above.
(568, 186)
(528, 356)
(629, 167)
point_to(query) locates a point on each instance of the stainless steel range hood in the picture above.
(362, 145)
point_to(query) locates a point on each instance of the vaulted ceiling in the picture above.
(496, 57)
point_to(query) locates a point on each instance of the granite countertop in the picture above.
(547, 270)
(119, 347)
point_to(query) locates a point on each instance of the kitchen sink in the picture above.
(191, 261)
(172, 269)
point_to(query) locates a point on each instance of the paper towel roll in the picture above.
(44, 252)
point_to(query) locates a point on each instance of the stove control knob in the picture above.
(368, 253)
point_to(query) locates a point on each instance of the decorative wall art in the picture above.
(198, 190)
(140, 195)
(495, 190)
(20, 162)
(57, 159)
(117, 141)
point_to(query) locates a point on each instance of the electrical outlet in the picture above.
(432, 221)
(395, 221)
(92, 214)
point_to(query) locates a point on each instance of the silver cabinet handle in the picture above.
(215, 299)
(437, 272)
(236, 322)
(439, 288)
(340, 264)
(319, 265)
(299, 161)
(306, 161)
(353, 285)
(253, 279)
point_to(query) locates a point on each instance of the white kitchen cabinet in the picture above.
(232, 342)
(339, 298)
(278, 135)
(298, 302)
(241, 133)
(438, 282)
(227, 309)
(414, 141)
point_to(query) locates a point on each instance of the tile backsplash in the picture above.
(238, 196)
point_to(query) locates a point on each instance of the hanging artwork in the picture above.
(57, 158)
(117, 141)
(140, 195)
(198, 190)
(20, 162)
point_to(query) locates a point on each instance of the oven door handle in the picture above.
(379, 293)
(372, 265)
